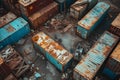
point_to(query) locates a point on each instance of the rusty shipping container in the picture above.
(81, 7)
(7, 19)
(31, 6)
(14, 31)
(90, 21)
(115, 26)
(55, 53)
(88, 67)
(43, 15)
(113, 64)
(14, 61)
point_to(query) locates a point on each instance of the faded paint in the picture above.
(116, 22)
(12, 32)
(76, 11)
(96, 56)
(53, 48)
(116, 53)
(93, 16)
(7, 18)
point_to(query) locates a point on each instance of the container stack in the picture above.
(38, 11)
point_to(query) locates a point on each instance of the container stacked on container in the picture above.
(112, 67)
(91, 20)
(29, 7)
(14, 31)
(13, 60)
(43, 15)
(115, 26)
(81, 7)
(88, 67)
(55, 53)
(7, 18)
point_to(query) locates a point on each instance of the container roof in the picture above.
(12, 27)
(52, 47)
(116, 22)
(93, 15)
(7, 18)
(95, 57)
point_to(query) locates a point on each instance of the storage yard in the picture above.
(59, 40)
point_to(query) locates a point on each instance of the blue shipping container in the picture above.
(13, 32)
(89, 22)
(88, 67)
(55, 53)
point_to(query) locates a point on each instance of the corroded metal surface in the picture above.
(44, 14)
(93, 16)
(7, 18)
(12, 27)
(116, 53)
(53, 48)
(88, 67)
(116, 22)
(11, 57)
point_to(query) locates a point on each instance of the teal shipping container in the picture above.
(55, 53)
(88, 67)
(90, 21)
(14, 31)
(64, 4)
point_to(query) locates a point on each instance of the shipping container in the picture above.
(4, 69)
(7, 19)
(14, 61)
(28, 7)
(43, 15)
(55, 53)
(115, 26)
(64, 4)
(81, 7)
(91, 20)
(113, 64)
(14, 31)
(88, 67)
